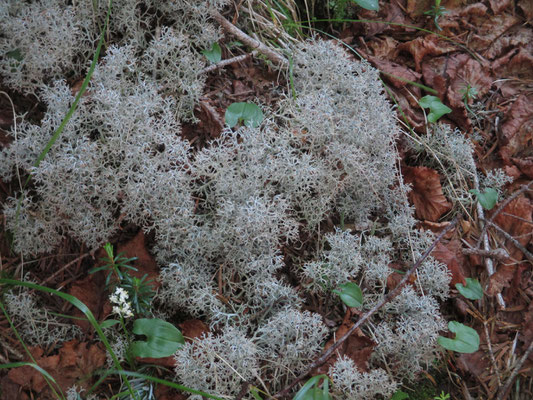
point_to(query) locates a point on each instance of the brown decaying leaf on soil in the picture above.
(358, 347)
(145, 262)
(517, 131)
(427, 196)
(520, 227)
(451, 254)
(74, 363)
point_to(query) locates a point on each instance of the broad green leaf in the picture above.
(399, 395)
(15, 55)
(309, 389)
(350, 294)
(436, 108)
(109, 323)
(466, 339)
(214, 54)
(250, 113)
(371, 5)
(487, 199)
(472, 290)
(163, 338)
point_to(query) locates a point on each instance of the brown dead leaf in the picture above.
(91, 292)
(528, 324)
(476, 364)
(490, 30)
(74, 363)
(145, 262)
(193, 328)
(427, 196)
(393, 70)
(358, 347)
(525, 165)
(451, 254)
(510, 42)
(500, 279)
(384, 48)
(416, 8)
(527, 8)
(519, 227)
(499, 5)
(424, 46)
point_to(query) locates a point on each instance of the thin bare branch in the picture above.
(229, 61)
(503, 391)
(249, 41)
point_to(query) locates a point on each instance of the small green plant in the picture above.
(437, 11)
(466, 339)
(442, 396)
(214, 54)
(399, 395)
(312, 391)
(472, 290)
(436, 108)
(249, 113)
(350, 294)
(139, 290)
(487, 199)
(469, 93)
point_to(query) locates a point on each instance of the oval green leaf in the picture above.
(466, 339)
(487, 199)
(436, 108)
(399, 395)
(250, 113)
(350, 294)
(472, 290)
(214, 54)
(372, 5)
(310, 390)
(163, 338)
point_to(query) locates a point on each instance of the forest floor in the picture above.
(480, 64)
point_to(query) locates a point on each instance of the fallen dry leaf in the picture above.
(451, 254)
(393, 70)
(516, 220)
(145, 262)
(527, 8)
(426, 46)
(426, 196)
(358, 347)
(91, 292)
(500, 279)
(499, 5)
(74, 363)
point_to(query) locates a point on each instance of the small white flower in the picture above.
(123, 306)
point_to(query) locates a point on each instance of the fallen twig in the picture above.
(515, 242)
(64, 267)
(391, 295)
(498, 254)
(227, 62)
(249, 41)
(502, 392)
(483, 237)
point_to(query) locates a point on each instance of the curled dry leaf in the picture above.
(427, 196)
(424, 46)
(499, 5)
(145, 262)
(517, 131)
(451, 254)
(358, 347)
(516, 220)
(74, 363)
(91, 292)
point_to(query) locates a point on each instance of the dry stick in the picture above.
(491, 354)
(498, 254)
(227, 62)
(485, 239)
(505, 388)
(515, 242)
(391, 295)
(249, 41)
(64, 268)
(523, 189)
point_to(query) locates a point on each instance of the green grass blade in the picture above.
(80, 306)
(34, 366)
(47, 376)
(160, 381)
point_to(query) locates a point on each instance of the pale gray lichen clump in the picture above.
(222, 214)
